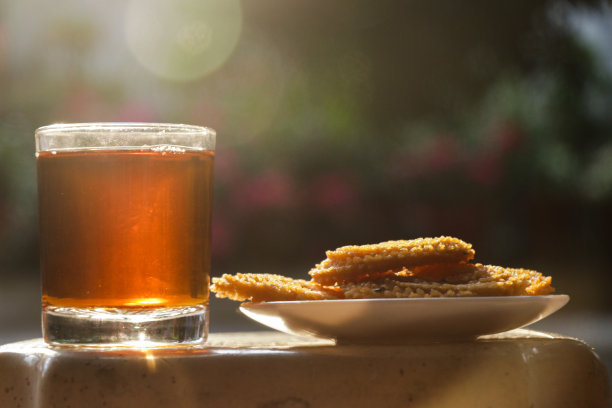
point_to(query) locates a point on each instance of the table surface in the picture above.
(269, 369)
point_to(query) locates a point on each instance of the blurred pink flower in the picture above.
(435, 154)
(506, 136)
(79, 104)
(227, 168)
(222, 236)
(486, 168)
(269, 190)
(442, 153)
(332, 190)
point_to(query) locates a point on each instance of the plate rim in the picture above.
(250, 305)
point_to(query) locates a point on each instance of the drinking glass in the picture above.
(125, 233)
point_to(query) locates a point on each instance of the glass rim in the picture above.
(122, 135)
(135, 127)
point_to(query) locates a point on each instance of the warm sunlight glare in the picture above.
(182, 40)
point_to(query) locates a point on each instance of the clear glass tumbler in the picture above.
(125, 233)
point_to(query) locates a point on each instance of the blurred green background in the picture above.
(338, 123)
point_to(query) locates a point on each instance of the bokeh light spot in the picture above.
(183, 40)
(195, 38)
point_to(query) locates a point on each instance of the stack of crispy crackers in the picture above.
(422, 267)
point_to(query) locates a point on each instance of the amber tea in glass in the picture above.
(125, 233)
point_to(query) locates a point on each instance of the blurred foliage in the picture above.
(357, 124)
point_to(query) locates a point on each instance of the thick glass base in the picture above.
(111, 327)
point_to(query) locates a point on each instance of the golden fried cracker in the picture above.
(354, 262)
(269, 287)
(471, 280)
(435, 273)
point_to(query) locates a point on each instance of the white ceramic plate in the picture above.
(404, 320)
